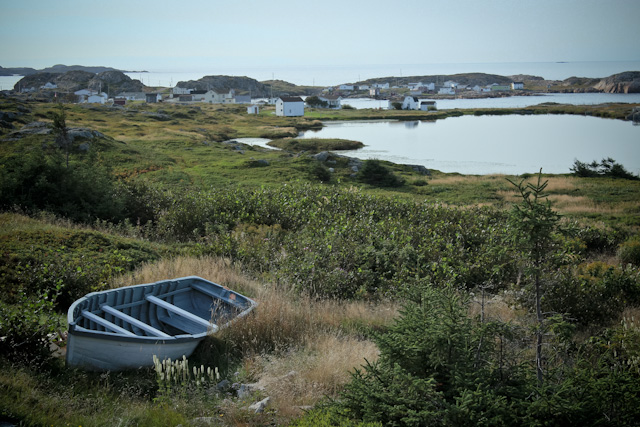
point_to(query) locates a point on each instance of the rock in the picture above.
(627, 82)
(224, 84)
(322, 156)
(84, 147)
(83, 133)
(420, 169)
(259, 407)
(263, 162)
(223, 385)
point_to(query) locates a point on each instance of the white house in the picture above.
(289, 106)
(181, 91)
(446, 91)
(374, 91)
(98, 98)
(346, 87)
(49, 85)
(450, 83)
(364, 87)
(333, 101)
(253, 109)
(428, 105)
(132, 96)
(517, 85)
(83, 94)
(381, 85)
(410, 103)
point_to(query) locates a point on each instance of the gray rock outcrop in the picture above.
(627, 82)
(224, 84)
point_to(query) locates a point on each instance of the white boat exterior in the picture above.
(124, 328)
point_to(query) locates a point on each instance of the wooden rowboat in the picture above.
(124, 328)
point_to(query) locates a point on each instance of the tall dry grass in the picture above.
(297, 349)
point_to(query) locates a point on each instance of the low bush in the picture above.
(27, 328)
(629, 251)
(373, 172)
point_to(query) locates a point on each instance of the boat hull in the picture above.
(124, 328)
(92, 353)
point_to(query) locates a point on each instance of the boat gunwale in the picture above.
(78, 330)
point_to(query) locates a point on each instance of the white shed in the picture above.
(428, 105)
(410, 103)
(253, 109)
(290, 106)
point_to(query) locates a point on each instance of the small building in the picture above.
(199, 95)
(181, 91)
(152, 98)
(517, 85)
(97, 98)
(290, 106)
(83, 94)
(333, 101)
(119, 101)
(428, 105)
(447, 90)
(132, 96)
(253, 109)
(380, 85)
(49, 85)
(410, 103)
(374, 91)
(346, 87)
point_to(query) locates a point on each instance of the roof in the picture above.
(291, 99)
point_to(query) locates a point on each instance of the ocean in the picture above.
(335, 75)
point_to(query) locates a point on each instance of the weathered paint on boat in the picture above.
(124, 328)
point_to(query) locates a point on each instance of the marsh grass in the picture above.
(320, 340)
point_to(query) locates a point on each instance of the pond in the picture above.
(483, 145)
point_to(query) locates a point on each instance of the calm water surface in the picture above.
(493, 144)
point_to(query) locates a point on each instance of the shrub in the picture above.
(629, 251)
(593, 293)
(25, 328)
(320, 172)
(315, 102)
(373, 172)
(82, 191)
(607, 167)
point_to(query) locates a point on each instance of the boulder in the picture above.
(259, 407)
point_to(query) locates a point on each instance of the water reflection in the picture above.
(494, 144)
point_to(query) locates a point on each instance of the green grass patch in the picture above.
(316, 145)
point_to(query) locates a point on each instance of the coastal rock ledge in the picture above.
(627, 82)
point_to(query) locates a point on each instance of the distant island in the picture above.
(58, 68)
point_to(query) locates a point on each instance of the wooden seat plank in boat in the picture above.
(180, 312)
(108, 325)
(198, 287)
(135, 322)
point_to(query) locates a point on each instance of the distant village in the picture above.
(405, 97)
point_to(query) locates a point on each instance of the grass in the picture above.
(316, 145)
(293, 348)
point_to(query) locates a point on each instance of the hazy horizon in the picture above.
(201, 35)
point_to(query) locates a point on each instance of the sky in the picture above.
(193, 35)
